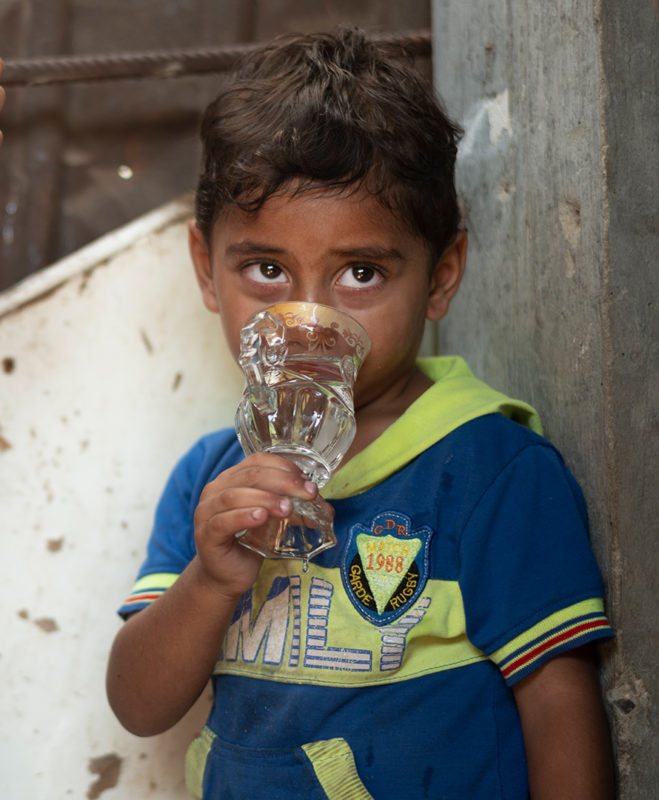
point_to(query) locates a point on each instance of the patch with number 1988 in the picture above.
(385, 567)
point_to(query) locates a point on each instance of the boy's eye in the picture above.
(265, 272)
(359, 276)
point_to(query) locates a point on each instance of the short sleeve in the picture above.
(171, 544)
(530, 584)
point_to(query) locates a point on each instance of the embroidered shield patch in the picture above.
(385, 567)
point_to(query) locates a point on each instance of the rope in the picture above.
(162, 63)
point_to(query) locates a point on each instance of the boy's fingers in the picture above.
(240, 519)
(268, 472)
(276, 504)
(240, 498)
(244, 496)
(269, 460)
(240, 507)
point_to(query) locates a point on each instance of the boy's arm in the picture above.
(566, 735)
(163, 656)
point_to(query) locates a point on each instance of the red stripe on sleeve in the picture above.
(551, 643)
(139, 598)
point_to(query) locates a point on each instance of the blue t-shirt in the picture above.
(385, 669)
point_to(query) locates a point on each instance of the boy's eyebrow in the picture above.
(248, 246)
(374, 252)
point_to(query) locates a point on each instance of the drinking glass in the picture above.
(300, 362)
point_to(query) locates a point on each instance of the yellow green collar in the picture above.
(455, 398)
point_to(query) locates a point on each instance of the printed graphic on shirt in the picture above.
(385, 567)
(288, 633)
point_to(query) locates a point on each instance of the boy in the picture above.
(441, 649)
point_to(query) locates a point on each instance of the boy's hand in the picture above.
(162, 657)
(240, 498)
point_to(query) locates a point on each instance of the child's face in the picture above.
(342, 250)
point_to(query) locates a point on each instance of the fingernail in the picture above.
(285, 505)
(310, 487)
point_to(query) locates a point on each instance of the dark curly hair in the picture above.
(332, 110)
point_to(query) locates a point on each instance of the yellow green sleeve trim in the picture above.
(569, 627)
(149, 588)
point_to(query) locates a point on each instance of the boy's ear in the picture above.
(201, 259)
(446, 277)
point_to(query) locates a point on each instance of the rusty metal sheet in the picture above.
(110, 368)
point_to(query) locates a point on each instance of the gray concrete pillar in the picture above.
(558, 174)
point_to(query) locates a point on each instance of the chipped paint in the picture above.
(47, 624)
(108, 769)
(147, 341)
(486, 121)
(498, 116)
(569, 215)
(92, 424)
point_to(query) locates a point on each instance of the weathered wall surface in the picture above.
(558, 175)
(110, 368)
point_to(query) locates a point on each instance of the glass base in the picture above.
(307, 531)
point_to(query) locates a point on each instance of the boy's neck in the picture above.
(375, 417)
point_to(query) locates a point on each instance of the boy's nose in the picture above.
(312, 293)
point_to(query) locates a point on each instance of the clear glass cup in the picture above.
(300, 362)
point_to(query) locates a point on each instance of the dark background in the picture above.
(60, 165)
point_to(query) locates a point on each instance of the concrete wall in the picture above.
(558, 175)
(101, 390)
